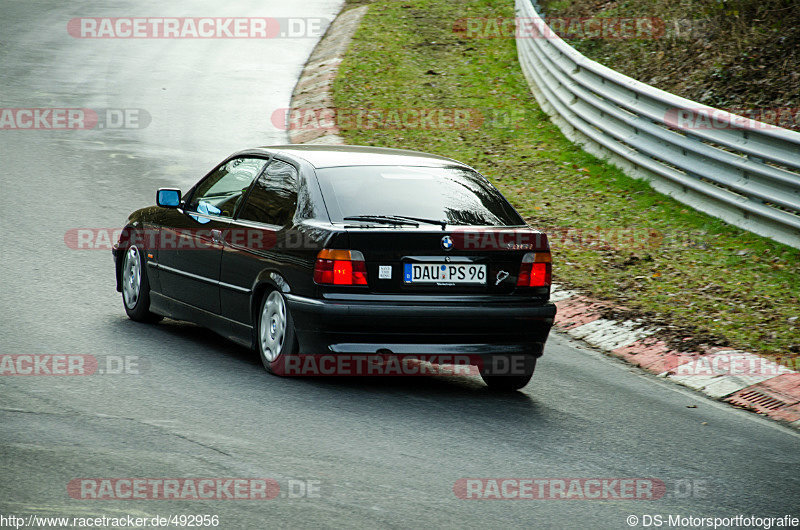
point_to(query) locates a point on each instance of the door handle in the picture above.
(216, 236)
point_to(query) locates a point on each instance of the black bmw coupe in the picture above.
(345, 251)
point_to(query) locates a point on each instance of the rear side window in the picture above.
(456, 195)
(273, 199)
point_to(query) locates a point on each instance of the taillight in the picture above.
(340, 267)
(535, 270)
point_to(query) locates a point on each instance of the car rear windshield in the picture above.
(453, 194)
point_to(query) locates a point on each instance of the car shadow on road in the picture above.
(196, 339)
(444, 391)
(455, 386)
(447, 401)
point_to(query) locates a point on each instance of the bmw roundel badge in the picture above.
(447, 243)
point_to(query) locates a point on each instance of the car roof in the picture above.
(324, 156)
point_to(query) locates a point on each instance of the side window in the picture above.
(222, 191)
(273, 199)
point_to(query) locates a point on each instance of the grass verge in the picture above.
(612, 236)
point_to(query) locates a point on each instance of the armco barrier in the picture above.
(744, 172)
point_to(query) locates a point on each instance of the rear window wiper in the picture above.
(439, 222)
(386, 219)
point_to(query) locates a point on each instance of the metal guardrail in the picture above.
(744, 172)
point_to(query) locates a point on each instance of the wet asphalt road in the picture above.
(385, 452)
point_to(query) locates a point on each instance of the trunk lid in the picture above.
(452, 261)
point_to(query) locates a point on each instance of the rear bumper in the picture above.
(382, 325)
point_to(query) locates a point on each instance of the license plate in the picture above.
(441, 273)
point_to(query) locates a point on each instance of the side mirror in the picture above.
(168, 197)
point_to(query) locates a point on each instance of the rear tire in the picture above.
(275, 333)
(136, 287)
(510, 383)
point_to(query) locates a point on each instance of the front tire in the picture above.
(510, 383)
(276, 338)
(136, 287)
